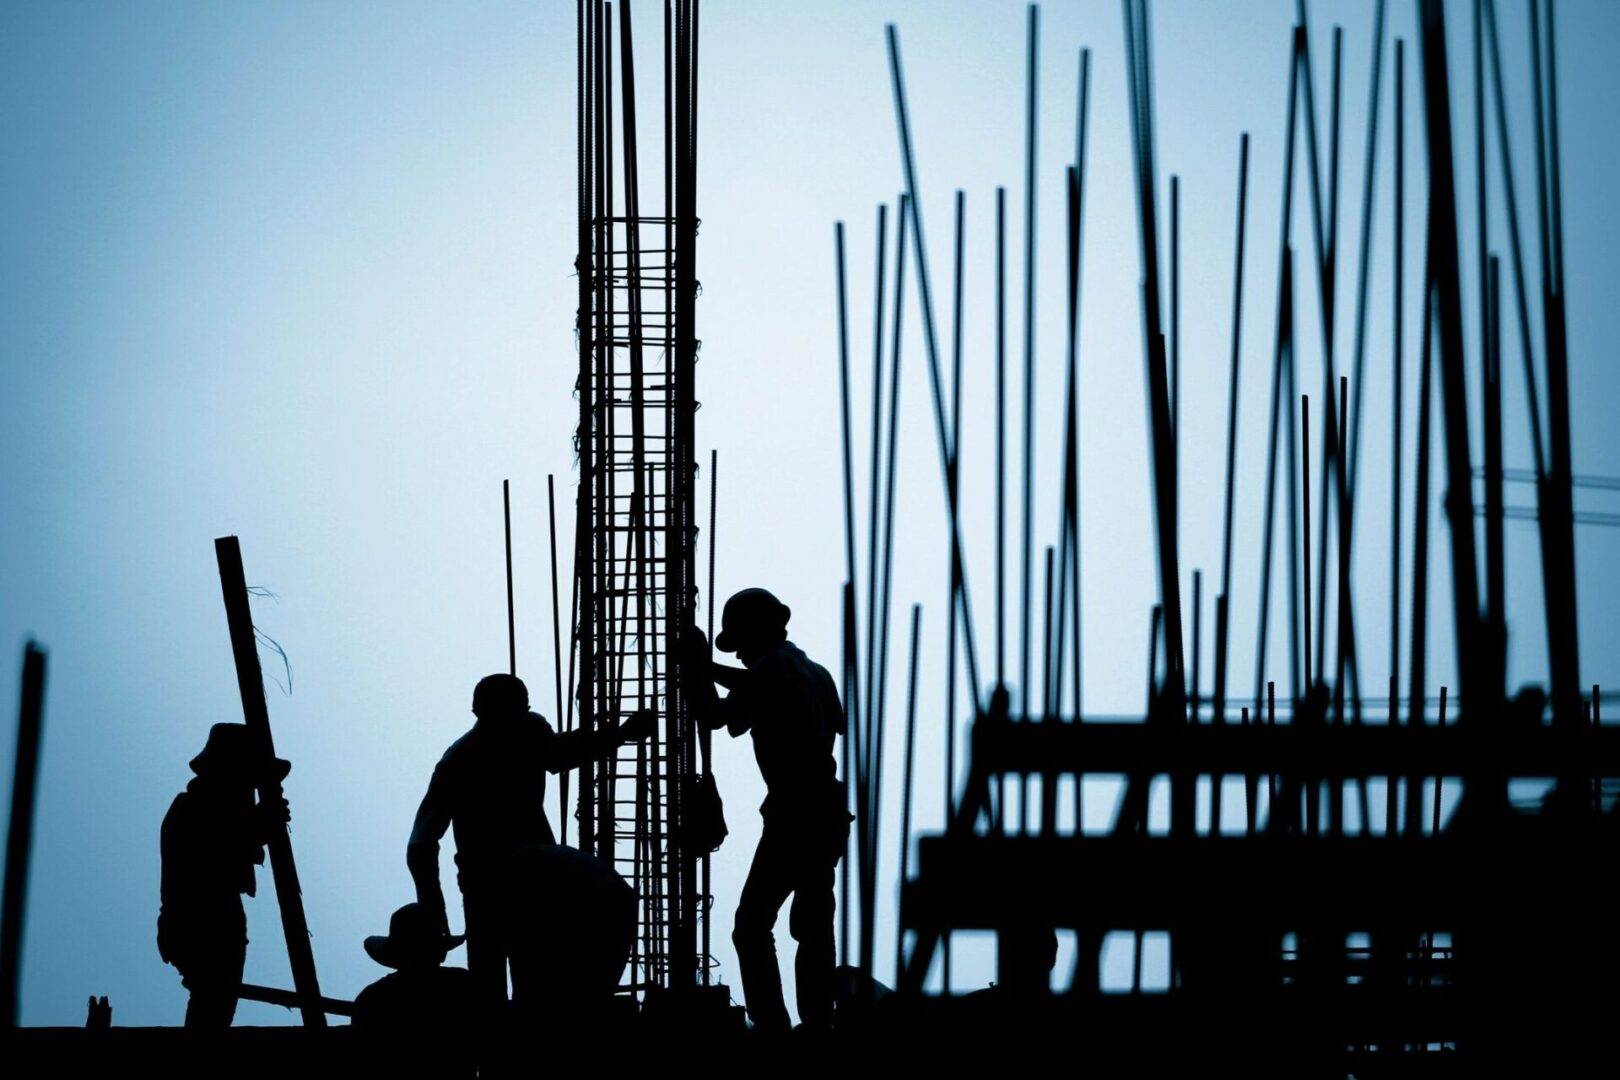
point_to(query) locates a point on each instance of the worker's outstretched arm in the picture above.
(571, 749)
(729, 677)
(708, 708)
(422, 852)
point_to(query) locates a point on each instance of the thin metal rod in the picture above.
(1504, 152)
(1495, 541)
(1344, 641)
(1001, 437)
(1342, 644)
(1275, 819)
(511, 624)
(1305, 502)
(1327, 279)
(1197, 622)
(879, 711)
(931, 343)
(874, 519)
(1081, 145)
(576, 628)
(1068, 543)
(1420, 548)
(556, 629)
(1222, 603)
(843, 403)
(704, 735)
(1283, 345)
(1439, 781)
(1555, 197)
(1050, 664)
(905, 796)
(1559, 499)
(1047, 584)
(1369, 194)
(1175, 319)
(957, 289)
(853, 759)
(1397, 351)
(1139, 55)
(1031, 83)
(1320, 223)
(1445, 280)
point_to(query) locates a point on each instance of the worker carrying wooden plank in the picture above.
(213, 836)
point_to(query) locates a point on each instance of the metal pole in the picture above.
(1031, 85)
(511, 625)
(905, 798)
(20, 831)
(1222, 604)
(1001, 437)
(1444, 275)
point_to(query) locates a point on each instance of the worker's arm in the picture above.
(571, 749)
(710, 709)
(422, 852)
(729, 677)
(271, 815)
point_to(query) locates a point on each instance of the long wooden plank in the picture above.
(282, 868)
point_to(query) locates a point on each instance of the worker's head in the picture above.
(233, 756)
(1026, 956)
(414, 940)
(497, 697)
(752, 622)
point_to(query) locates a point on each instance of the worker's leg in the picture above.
(811, 922)
(213, 974)
(770, 879)
(486, 955)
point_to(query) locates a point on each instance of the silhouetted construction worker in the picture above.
(573, 920)
(790, 705)
(213, 836)
(490, 786)
(421, 998)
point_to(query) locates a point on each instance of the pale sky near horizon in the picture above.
(303, 272)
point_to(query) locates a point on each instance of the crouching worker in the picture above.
(571, 924)
(421, 995)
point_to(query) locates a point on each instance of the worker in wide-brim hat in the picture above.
(421, 998)
(790, 705)
(212, 838)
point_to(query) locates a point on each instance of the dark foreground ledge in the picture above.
(1121, 1036)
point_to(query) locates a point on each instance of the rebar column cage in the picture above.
(636, 524)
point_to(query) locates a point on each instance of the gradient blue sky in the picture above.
(303, 272)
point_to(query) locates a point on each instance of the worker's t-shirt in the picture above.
(490, 788)
(790, 705)
(210, 843)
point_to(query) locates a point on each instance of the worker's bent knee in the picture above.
(750, 928)
(810, 922)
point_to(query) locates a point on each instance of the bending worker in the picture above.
(491, 786)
